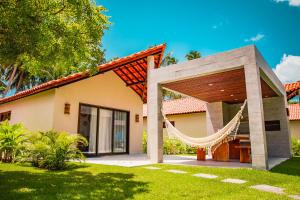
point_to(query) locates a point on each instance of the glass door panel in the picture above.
(120, 132)
(105, 131)
(88, 127)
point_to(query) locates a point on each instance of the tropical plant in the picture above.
(193, 55)
(296, 147)
(169, 59)
(11, 141)
(52, 149)
(171, 146)
(43, 40)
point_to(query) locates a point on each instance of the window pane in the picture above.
(120, 132)
(105, 131)
(88, 127)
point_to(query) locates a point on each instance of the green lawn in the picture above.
(87, 181)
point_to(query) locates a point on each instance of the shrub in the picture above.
(52, 149)
(144, 142)
(11, 141)
(172, 146)
(295, 147)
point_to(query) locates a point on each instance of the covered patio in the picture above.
(225, 81)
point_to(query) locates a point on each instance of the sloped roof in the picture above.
(181, 106)
(131, 69)
(294, 110)
(292, 89)
(193, 105)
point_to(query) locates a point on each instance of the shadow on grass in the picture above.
(290, 167)
(73, 185)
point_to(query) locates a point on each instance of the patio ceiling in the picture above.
(229, 87)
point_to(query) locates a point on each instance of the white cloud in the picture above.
(288, 70)
(256, 38)
(291, 2)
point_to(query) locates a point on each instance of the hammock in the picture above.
(227, 133)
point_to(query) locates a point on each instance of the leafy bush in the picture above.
(296, 147)
(144, 142)
(172, 146)
(11, 141)
(52, 149)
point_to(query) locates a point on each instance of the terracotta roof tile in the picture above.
(192, 105)
(292, 86)
(181, 106)
(292, 89)
(294, 110)
(113, 65)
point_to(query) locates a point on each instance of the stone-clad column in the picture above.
(154, 116)
(256, 117)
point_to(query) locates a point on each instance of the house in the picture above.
(106, 108)
(188, 114)
(226, 81)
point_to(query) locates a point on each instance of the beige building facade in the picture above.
(106, 108)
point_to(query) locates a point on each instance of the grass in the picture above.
(89, 181)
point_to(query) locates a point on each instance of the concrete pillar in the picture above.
(214, 117)
(154, 116)
(278, 142)
(256, 117)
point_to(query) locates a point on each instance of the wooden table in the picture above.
(245, 153)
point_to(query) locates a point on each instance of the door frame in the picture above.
(97, 129)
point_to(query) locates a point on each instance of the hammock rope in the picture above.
(227, 133)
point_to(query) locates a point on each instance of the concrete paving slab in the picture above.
(176, 171)
(209, 176)
(232, 180)
(268, 188)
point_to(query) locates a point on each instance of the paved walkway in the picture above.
(134, 160)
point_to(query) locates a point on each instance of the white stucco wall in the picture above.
(193, 124)
(35, 112)
(106, 90)
(295, 128)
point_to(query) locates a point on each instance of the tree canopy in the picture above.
(193, 55)
(43, 40)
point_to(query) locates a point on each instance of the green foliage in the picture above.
(11, 141)
(295, 147)
(52, 149)
(172, 146)
(168, 60)
(45, 40)
(193, 55)
(144, 142)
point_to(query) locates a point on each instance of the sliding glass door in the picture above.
(106, 129)
(88, 127)
(120, 131)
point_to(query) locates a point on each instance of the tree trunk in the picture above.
(11, 78)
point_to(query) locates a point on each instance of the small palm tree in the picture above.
(193, 55)
(169, 60)
(11, 141)
(52, 149)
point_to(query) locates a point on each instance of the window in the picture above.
(5, 116)
(106, 129)
(172, 122)
(272, 125)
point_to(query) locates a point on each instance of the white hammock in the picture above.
(229, 130)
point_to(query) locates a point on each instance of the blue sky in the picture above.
(209, 26)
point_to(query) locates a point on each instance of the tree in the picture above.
(193, 55)
(43, 40)
(169, 60)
